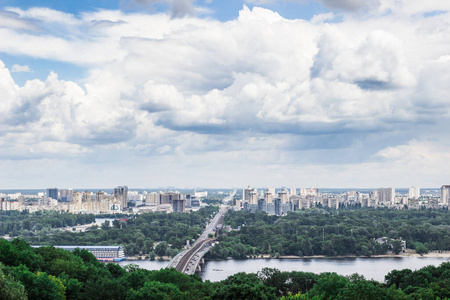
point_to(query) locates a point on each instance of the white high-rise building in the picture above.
(386, 196)
(445, 194)
(268, 196)
(309, 192)
(246, 193)
(414, 192)
(284, 196)
(303, 192)
(293, 191)
(253, 197)
(152, 199)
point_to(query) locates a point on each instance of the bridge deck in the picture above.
(188, 260)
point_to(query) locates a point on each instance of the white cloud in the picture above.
(412, 7)
(178, 8)
(345, 5)
(321, 18)
(164, 149)
(372, 7)
(19, 68)
(43, 13)
(259, 90)
(352, 5)
(12, 20)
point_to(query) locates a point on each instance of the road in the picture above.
(187, 261)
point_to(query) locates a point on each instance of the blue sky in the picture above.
(220, 10)
(224, 93)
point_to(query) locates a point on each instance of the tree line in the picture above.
(332, 233)
(150, 234)
(54, 274)
(15, 223)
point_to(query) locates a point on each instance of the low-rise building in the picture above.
(102, 253)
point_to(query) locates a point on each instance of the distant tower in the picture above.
(248, 194)
(52, 193)
(121, 194)
(66, 195)
(169, 197)
(253, 197)
(277, 203)
(414, 192)
(284, 196)
(178, 205)
(386, 196)
(268, 196)
(293, 191)
(445, 194)
(262, 205)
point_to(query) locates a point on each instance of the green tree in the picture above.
(243, 286)
(421, 249)
(397, 246)
(359, 288)
(106, 225)
(10, 288)
(161, 249)
(239, 251)
(155, 290)
(328, 285)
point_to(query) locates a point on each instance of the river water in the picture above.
(371, 268)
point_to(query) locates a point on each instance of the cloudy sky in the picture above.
(224, 93)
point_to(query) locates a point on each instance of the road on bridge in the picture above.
(186, 260)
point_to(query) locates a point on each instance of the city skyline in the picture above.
(203, 92)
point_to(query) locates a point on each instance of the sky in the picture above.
(222, 94)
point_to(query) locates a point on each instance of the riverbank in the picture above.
(410, 253)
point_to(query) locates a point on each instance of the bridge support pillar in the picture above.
(199, 269)
(202, 261)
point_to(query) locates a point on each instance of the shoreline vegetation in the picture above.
(318, 233)
(408, 253)
(309, 234)
(149, 234)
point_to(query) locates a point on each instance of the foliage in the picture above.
(138, 234)
(59, 274)
(244, 286)
(40, 223)
(421, 249)
(332, 233)
(10, 288)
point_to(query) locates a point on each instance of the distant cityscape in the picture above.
(270, 200)
(292, 199)
(121, 200)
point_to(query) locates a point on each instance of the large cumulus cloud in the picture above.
(259, 90)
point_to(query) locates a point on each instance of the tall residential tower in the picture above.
(121, 194)
(445, 194)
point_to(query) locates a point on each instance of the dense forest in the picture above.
(332, 233)
(50, 273)
(302, 233)
(138, 234)
(22, 224)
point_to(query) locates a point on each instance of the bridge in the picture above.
(189, 261)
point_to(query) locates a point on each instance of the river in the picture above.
(371, 268)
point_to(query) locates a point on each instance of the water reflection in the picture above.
(371, 268)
